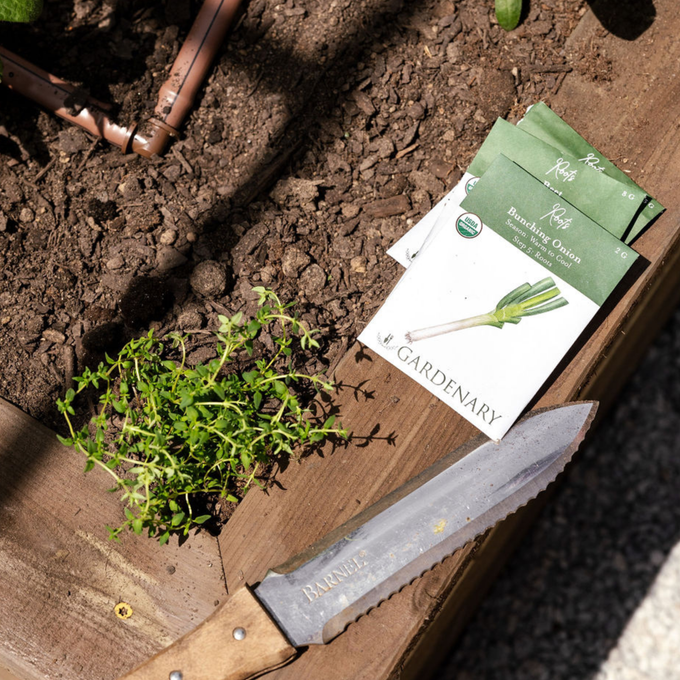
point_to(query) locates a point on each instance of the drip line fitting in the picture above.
(175, 98)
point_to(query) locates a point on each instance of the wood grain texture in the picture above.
(61, 577)
(212, 651)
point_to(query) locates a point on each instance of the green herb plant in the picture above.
(525, 300)
(19, 11)
(508, 13)
(167, 433)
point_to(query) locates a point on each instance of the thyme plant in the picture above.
(168, 433)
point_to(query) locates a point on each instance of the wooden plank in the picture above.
(638, 121)
(61, 577)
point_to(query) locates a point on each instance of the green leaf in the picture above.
(250, 376)
(201, 519)
(177, 518)
(137, 526)
(280, 388)
(20, 10)
(508, 13)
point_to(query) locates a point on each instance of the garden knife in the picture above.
(314, 596)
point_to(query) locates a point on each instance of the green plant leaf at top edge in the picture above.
(508, 13)
(20, 10)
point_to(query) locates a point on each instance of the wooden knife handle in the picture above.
(238, 640)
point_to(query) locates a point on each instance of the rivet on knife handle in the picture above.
(237, 641)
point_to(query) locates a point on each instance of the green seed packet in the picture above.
(543, 123)
(489, 308)
(598, 196)
(611, 203)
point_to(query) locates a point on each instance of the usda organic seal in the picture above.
(468, 225)
(470, 184)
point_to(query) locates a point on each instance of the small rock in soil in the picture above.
(312, 280)
(168, 237)
(385, 147)
(209, 279)
(116, 262)
(294, 259)
(169, 258)
(364, 103)
(26, 215)
(416, 111)
(358, 264)
(350, 210)
(131, 188)
(54, 335)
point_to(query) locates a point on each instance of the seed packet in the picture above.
(545, 124)
(603, 199)
(494, 301)
(408, 246)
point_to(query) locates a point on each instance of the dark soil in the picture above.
(323, 133)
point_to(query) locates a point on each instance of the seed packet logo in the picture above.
(470, 185)
(387, 341)
(468, 225)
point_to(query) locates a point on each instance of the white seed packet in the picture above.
(408, 246)
(492, 304)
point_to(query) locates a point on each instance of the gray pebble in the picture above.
(209, 278)
(312, 280)
(116, 262)
(168, 237)
(169, 258)
(293, 261)
(26, 215)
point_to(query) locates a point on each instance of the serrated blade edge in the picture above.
(317, 594)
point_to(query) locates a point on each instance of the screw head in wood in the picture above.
(239, 633)
(176, 675)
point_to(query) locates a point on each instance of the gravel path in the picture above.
(593, 593)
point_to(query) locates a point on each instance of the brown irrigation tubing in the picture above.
(175, 97)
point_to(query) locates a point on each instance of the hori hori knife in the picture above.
(314, 596)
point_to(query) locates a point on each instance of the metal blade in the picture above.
(314, 596)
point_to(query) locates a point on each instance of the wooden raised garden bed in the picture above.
(61, 579)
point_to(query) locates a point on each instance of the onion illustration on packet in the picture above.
(525, 300)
